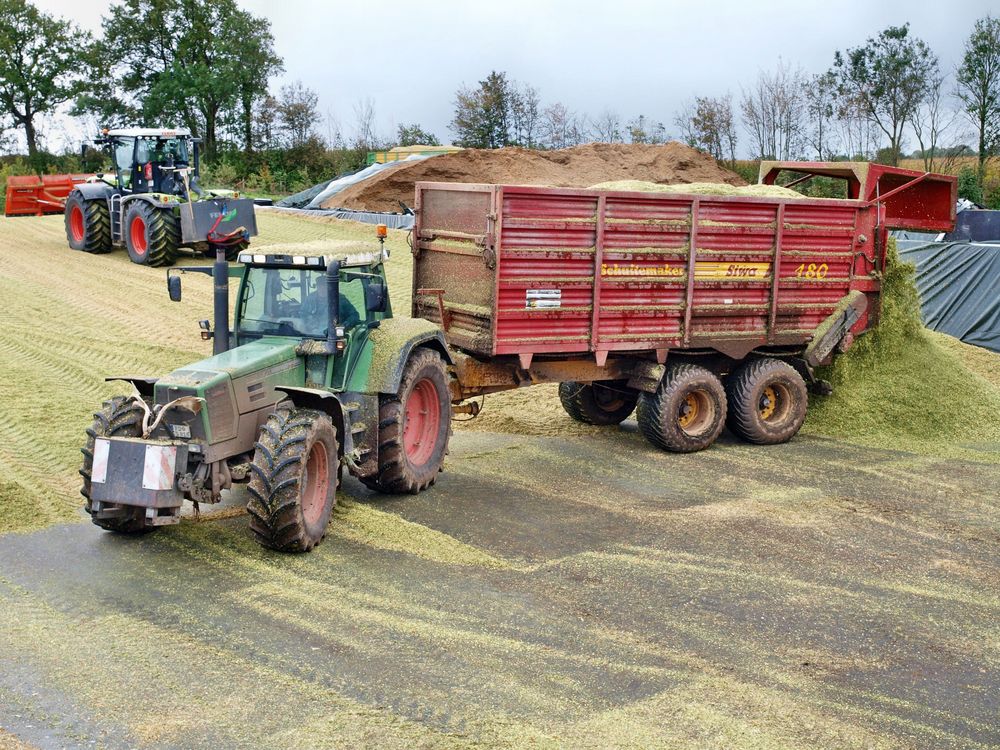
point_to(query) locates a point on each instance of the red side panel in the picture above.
(595, 271)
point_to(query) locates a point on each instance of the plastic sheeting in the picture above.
(341, 183)
(959, 285)
(393, 221)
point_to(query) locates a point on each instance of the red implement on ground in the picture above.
(593, 286)
(36, 196)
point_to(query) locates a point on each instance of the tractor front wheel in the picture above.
(152, 235)
(414, 427)
(686, 413)
(293, 482)
(118, 417)
(88, 224)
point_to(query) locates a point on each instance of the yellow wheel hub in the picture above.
(768, 403)
(689, 411)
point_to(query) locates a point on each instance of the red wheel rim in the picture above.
(421, 422)
(316, 484)
(76, 223)
(137, 231)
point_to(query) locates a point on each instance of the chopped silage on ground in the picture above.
(700, 188)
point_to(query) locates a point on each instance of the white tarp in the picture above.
(352, 179)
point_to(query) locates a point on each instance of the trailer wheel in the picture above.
(152, 235)
(767, 401)
(293, 480)
(687, 411)
(414, 427)
(118, 417)
(88, 223)
(599, 403)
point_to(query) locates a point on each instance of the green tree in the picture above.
(42, 65)
(968, 185)
(978, 87)
(889, 75)
(298, 113)
(482, 116)
(187, 62)
(414, 135)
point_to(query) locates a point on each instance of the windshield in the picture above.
(293, 302)
(162, 150)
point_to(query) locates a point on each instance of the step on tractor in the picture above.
(151, 203)
(316, 375)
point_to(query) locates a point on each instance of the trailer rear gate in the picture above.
(530, 270)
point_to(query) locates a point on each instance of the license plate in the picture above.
(159, 467)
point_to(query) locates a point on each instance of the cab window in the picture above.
(293, 302)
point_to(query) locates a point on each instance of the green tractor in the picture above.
(315, 376)
(152, 204)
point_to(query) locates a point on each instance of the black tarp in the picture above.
(959, 285)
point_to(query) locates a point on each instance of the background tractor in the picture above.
(316, 375)
(151, 202)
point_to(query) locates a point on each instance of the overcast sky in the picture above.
(633, 56)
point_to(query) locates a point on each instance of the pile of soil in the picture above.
(580, 166)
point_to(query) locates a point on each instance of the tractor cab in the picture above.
(149, 160)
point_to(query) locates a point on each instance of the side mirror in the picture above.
(376, 295)
(174, 288)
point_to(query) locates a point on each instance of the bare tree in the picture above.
(641, 130)
(859, 134)
(931, 120)
(821, 109)
(297, 112)
(774, 110)
(562, 128)
(365, 138)
(525, 114)
(608, 127)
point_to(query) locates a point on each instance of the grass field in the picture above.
(561, 586)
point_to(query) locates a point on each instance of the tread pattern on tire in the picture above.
(96, 224)
(275, 473)
(580, 403)
(163, 233)
(118, 417)
(395, 476)
(233, 251)
(743, 419)
(656, 413)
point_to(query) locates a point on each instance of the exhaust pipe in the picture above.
(220, 282)
(333, 301)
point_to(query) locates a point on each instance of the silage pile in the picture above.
(701, 188)
(580, 166)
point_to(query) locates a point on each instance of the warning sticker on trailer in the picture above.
(542, 298)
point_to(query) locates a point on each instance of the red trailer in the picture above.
(35, 196)
(658, 298)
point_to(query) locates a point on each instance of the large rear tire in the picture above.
(767, 401)
(686, 413)
(414, 428)
(118, 417)
(152, 235)
(88, 223)
(599, 403)
(294, 478)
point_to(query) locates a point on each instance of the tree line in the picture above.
(209, 66)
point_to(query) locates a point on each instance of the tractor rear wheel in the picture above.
(599, 403)
(414, 427)
(152, 235)
(686, 413)
(293, 480)
(118, 417)
(88, 223)
(767, 401)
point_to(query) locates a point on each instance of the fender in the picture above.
(91, 190)
(324, 401)
(142, 384)
(392, 342)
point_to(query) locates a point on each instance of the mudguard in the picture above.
(92, 190)
(325, 401)
(392, 342)
(142, 384)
